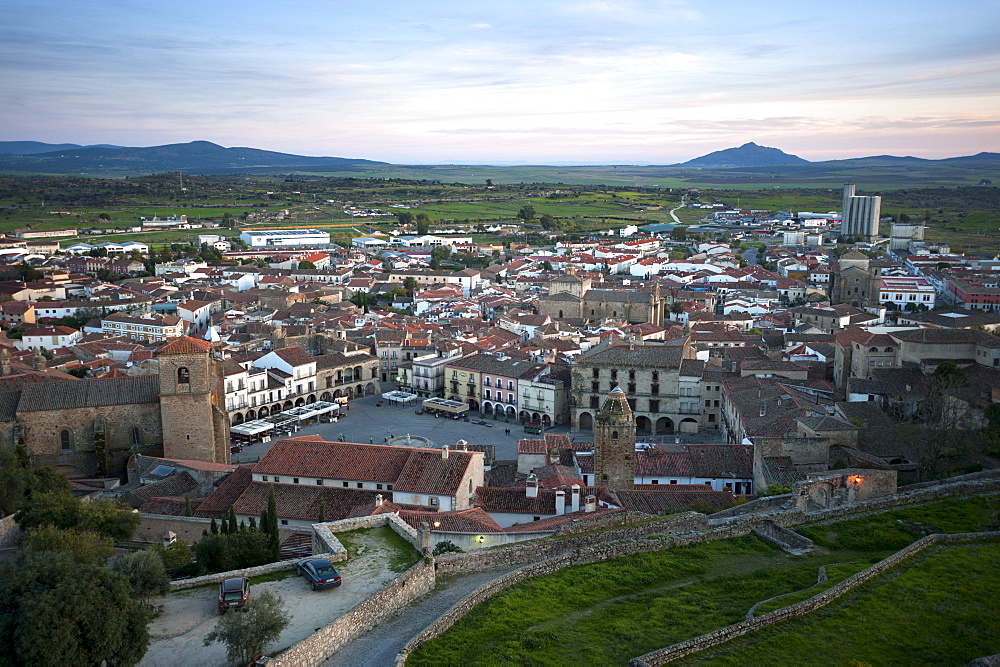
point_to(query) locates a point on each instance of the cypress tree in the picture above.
(322, 511)
(253, 523)
(214, 528)
(243, 526)
(272, 524)
(233, 526)
(187, 505)
(264, 526)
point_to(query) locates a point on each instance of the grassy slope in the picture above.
(608, 612)
(939, 609)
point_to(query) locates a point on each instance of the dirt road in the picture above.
(177, 634)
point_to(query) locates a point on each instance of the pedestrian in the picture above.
(369, 440)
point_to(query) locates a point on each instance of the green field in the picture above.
(936, 609)
(609, 612)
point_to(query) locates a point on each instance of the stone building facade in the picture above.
(91, 427)
(662, 381)
(572, 296)
(614, 443)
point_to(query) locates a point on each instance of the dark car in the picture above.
(319, 572)
(233, 594)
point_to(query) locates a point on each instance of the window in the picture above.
(596, 373)
(277, 479)
(319, 482)
(183, 375)
(614, 375)
(510, 398)
(711, 417)
(346, 484)
(654, 406)
(434, 501)
(708, 404)
(361, 485)
(595, 386)
(486, 381)
(295, 480)
(388, 487)
(673, 481)
(510, 384)
(656, 481)
(486, 394)
(284, 522)
(594, 402)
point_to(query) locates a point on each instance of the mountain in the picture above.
(32, 147)
(747, 155)
(195, 157)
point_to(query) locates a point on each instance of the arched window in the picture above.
(614, 435)
(66, 439)
(136, 435)
(183, 375)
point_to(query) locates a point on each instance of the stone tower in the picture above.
(194, 426)
(614, 443)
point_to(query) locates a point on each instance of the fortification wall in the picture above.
(711, 639)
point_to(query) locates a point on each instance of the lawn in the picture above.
(938, 609)
(608, 612)
(400, 553)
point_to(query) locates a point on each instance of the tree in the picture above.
(679, 233)
(411, 284)
(145, 573)
(272, 530)
(228, 221)
(437, 254)
(306, 265)
(175, 555)
(83, 546)
(187, 505)
(104, 216)
(54, 611)
(233, 526)
(526, 213)
(214, 527)
(548, 222)
(423, 223)
(546, 265)
(322, 511)
(404, 218)
(489, 182)
(246, 635)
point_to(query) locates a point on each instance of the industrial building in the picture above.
(285, 238)
(860, 215)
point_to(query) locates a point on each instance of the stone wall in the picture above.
(187, 528)
(784, 538)
(706, 641)
(505, 557)
(323, 533)
(388, 600)
(245, 572)
(11, 534)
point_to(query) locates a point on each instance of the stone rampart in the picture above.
(388, 600)
(323, 533)
(505, 557)
(711, 639)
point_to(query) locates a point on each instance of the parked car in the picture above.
(319, 572)
(233, 594)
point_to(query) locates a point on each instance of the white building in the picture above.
(284, 238)
(902, 291)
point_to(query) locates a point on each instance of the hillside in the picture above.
(194, 157)
(747, 155)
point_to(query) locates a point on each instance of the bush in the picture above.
(145, 573)
(447, 546)
(221, 553)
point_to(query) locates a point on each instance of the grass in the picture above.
(606, 613)
(891, 531)
(939, 609)
(400, 554)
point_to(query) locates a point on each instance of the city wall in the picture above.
(711, 639)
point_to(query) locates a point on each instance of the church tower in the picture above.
(614, 443)
(194, 426)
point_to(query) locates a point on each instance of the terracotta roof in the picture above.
(666, 500)
(302, 501)
(473, 520)
(185, 345)
(497, 499)
(295, 355)
(309, 457)
(428, 472)
(89, 393)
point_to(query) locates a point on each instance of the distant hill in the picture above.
(33, 147)
(195, 157)
(747, 155)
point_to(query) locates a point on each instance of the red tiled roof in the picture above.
(473, 520)
(302, 501)
(185, 345)
(505, 499)
(335, 460)
(667, 499)
(428, 472)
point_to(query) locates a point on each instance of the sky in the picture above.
(507, 82)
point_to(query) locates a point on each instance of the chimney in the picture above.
(531, 488)
(763, 409)
(378, 500)
(591, 504)
(574, 503)
(553, 455)
(38, 362)
(444, 452)
(560, 502)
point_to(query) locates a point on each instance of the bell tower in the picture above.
(194, 426)
(614, 443)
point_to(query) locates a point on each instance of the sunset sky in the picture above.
(576, 82)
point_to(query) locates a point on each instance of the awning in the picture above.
(252, 428)
(445, 405)
(310, 410)
(399, 396)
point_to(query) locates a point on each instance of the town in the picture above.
(474, 388)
